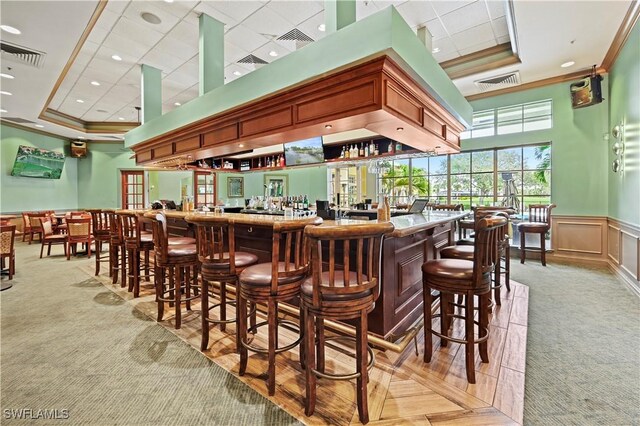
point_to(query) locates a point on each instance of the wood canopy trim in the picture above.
(377, 95)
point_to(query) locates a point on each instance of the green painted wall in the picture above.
(624, 107)
(99, 174)
(303, 180)
(579, 151)
(21, 193)
(167, 185)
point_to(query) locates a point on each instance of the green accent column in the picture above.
(338, 14)
(425, 37)
(151, 93)
(211, 58)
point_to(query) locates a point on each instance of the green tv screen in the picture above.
(38, 163)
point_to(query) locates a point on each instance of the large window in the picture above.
(511, 119)
(516, 176)
(348, 185)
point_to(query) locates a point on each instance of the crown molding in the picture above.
(628, 22)
(62, 119)
(483, 60)
(32, 130)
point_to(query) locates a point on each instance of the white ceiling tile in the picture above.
(444, 45)
(116, 6)
(126, 46)
(496, 8)
(310, 26)
(123, 92)
(233, 53)
(263, 51)
(126, 112)
(178, 8)
(238, 10)
(133, 30)
(177, 48)
(208, 9)
(73, 108)
(173, 85)
(465, 17)
(105, 54)
(162, 60)
(98, 34)
(477, 47)
(107, 19)
(473, 36)
(443, 7)
(186, 32)
(86, 53)
(245, 38)
(229, 75)
(268, 23)
(85, 82)
(103, 70)
(436, 29)
(445, 56)
(187, 74)
(364, 9)
(133, 76)
(296, 12)
(500, 28)
(94, 115)
(416, 12)
(136, 8)
(381, 4)
(503, 39)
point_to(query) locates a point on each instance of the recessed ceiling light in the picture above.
(81, 137)
(95, 83)
(168, 1)
(273, 53)
(237, 73)
(39, 126)
(400, 129)
(9, 76)
(4, 92)
(80, 101)
(150, 18)
(322, 27)
(177, 104)
(121, 118)
(435, 50)
(10, 29)
(567, 64)
(116, 58)
(328, 126)
(3, 110)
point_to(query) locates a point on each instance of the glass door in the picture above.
(132, 189)
(205, 189)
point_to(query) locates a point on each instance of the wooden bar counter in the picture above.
(416, 239)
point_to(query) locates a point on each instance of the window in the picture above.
(511, 119)
(205, 189)
(132, 189)
(349, 183)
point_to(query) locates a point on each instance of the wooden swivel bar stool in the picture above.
(341, 292)
(220, 263)
(469, 278)
(135, 242)
(178, 263)
(117, 249)
(271, 283)
(539, 223)
(102, 234)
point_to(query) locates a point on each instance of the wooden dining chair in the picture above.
(7, 250)
(50, 238)
(78, 231)
(35, 227)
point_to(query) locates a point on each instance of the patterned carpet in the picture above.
(583, 348)
(68, 343)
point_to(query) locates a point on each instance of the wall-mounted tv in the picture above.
(38, 163)
(306, 151)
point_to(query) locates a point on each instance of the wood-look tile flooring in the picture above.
(403, 390)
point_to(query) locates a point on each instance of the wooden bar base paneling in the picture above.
(402, 388)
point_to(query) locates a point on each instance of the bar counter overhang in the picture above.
(415, 239)
(390, 85)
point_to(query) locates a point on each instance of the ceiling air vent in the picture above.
(18, 120)
(22, 54)
(250, 59)
(498, 82)
(297, 36)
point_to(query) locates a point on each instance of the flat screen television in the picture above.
(306, 151)
(38, 163)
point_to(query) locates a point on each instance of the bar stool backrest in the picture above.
(7, 236)
(366, 239)
(129, 226)
(540, 213)
(215, 240)
(489, 235)
(293, 255)
(115, 230)
(99, 221)
(160, 235)
(79, 228)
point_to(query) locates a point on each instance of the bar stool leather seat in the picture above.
(260, 275)
(464, 252)
(307, 287)
(533, 226)
(180, 241)
(457, 269)
(242, 260)
(182, 250)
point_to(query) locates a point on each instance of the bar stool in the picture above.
(271, 283)
(117, 249)
(346, 292)
(220, 263)
(178, 263)
(101, 233)
(135, 242)
(539, 223)
(468, 278)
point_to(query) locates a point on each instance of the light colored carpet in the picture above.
(583, 347)
(68, 343)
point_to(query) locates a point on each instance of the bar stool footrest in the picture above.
(349, 376)
(259, 350)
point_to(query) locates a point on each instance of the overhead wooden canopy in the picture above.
(377, 95)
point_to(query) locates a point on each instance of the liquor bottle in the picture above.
(382, 211)
(259, 162)
(268, 162)
(375, 150)
(355, 151)
(372, 149)
(347, 152)
(361, 151)
(390, 147)
(281, 160)
(366, 149)
(398, 147)
(342, 153)
(305, 203)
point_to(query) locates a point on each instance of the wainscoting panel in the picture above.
(614, 243)
(624, 253)
(579, 237)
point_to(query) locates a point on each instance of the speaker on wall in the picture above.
(78, 149)
(586, 91)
